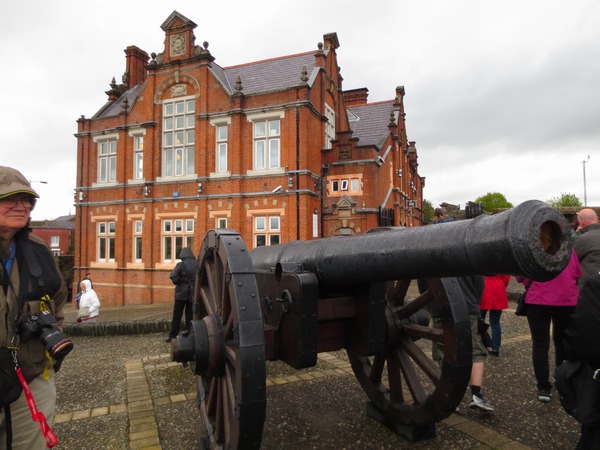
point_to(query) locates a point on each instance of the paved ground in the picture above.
(120, 392)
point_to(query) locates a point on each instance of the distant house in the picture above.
(275, 149)
(57, 233)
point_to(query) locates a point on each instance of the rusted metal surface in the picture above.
(293, 301)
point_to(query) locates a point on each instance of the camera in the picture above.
(43, 326)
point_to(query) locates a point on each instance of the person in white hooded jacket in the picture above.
(89, 299)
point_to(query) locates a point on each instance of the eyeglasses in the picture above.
(14, 200)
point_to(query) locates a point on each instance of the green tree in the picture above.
(493, 200)
(427, 211)
(565, 199)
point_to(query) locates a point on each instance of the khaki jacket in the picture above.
(31, 355)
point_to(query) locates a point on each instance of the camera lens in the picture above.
(57, 344)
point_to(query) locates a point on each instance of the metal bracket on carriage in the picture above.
(287, 267)
(285, 304)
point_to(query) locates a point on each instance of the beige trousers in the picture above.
(26, 433)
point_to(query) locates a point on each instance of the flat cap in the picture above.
(13, 182)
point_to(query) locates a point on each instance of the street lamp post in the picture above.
(584, 183)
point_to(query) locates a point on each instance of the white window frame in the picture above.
(351, 183)
(272, 164)
(221, 222)
(138, 157)
(176, 234)
(106, 242)
(222, 134)
(266, 144)
(178, 137)
(266, 230)
(54, 241)
(329, 126)
(107, 161)
(138, 226)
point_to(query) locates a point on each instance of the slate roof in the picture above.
(112, 109)
(371, 123)
(278, 74)
(270, 75)
(62, 222)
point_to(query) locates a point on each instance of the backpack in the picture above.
(579, 391)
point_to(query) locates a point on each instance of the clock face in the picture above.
(177, 44)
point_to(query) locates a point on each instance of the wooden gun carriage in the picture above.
(292, 301)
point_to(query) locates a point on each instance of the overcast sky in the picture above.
(501, 96)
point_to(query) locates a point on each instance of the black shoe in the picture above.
(544, 395)
(495, 353)
(168, 339)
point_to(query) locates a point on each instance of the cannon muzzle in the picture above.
(530, 240)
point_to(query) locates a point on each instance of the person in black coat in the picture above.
(581, 344)
(183, 277)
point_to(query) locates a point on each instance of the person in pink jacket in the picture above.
(494, 300)
(550, 302)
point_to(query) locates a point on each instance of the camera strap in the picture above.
(36, 415)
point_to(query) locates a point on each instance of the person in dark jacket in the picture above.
(581, 344)
(31, 284)
(587, 244)
(183, 277)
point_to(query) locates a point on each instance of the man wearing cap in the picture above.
(30, 283)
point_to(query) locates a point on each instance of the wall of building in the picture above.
(298, 192)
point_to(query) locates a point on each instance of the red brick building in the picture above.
(57, 233)
(275, 149)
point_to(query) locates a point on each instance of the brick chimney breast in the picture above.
(136, 61)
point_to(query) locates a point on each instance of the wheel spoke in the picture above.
(231, 356)
(395, 378)
(398, 292)
(407, 310)
(425, 363)
(414, 330)
(210, 297)
(228, 402)
(377, 369)
(211, 395)
(410, 375)
(228, 328)
(219, 414)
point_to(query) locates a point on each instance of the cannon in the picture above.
(289, 302)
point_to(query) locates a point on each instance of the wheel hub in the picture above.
(203, 344)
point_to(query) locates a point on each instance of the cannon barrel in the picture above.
(529, 240)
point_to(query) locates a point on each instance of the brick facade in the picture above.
(171, 112)
(57, 233)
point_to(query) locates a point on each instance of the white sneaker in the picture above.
(481, 404)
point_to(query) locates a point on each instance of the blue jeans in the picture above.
(495, 327)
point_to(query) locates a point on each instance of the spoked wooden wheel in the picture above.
(228, 338)
(407, 389)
